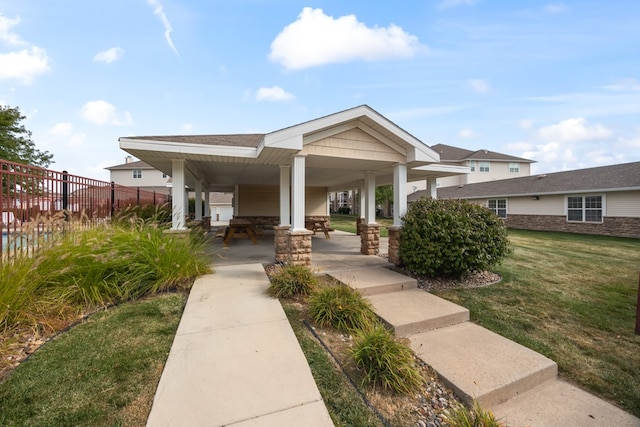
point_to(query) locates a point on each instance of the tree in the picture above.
(384, 198)
(15, 140)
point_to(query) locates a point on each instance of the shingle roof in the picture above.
(131, 165)
(624, 176)
(232, 140)
(455, 154)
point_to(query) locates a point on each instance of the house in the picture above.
(281, 178)
(138, 174)
(484, 165)
(602, 200)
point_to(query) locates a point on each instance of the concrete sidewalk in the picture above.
(235, 360)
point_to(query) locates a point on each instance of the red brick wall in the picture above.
(611, 226)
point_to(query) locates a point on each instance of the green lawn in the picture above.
(572, 298)
(348, 223)
(104, 372)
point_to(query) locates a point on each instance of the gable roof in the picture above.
(449, 153)
(131, 165)
(622, 177)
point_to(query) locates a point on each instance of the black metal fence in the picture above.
(37, 203)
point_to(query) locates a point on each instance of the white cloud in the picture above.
(101, 113)
(62, 129)
(316, 39)
(76, 140)
(275, 93)
(108, 56)
(159, 11)
(187, 127)
(445, 4)
(555, 8)
(574, 129)
(24, 64)
(624, 85)
(520, 147)
(478, 85)
(466, 133)
(525, 124)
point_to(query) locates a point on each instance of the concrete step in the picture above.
(372, 281)
(479, 364)
(556, 403)
(414, 310)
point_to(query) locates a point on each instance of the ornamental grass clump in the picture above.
(292, 281)
(450, 238)
(472, 417)
(386, 362)
(341, 307)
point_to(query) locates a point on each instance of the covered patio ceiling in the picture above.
(220, 162)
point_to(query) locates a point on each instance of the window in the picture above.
(472, 165)
(514, 167)
(484, 166)
(584, 208)
(137, 173)
(498, 206)
(164, 175)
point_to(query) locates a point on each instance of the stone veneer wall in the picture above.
(394, 245)
(281, 242)
(611, 226)
(370, 239)
(299, 247)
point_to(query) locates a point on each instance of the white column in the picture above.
(178, 195)
(433, 188)
(328, 212)
(363, 199)
(236, 195)
(370, 198)
(207, 208)
(285, 195)
(399, 193)
(297, 193)
(198, 191)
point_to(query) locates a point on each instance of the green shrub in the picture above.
(451, 238)
(472, 417)
(291, 281)
(386, 361)
(341, 307)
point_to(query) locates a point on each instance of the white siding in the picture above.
(623, 204)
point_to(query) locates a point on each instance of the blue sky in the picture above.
(555, 82)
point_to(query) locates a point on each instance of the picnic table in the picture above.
(317, 225)
(238, 229)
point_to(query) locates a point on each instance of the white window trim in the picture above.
(516, 166)
(604, 207)
(506, 207)
(487, 166)
(133, 173)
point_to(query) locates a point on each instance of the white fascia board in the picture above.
(424, 155)
(286, 141)
(182, 148)
(438, 167)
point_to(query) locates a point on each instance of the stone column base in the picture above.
(370, 239)
(281, 242)
(299, 247)
(394, 245)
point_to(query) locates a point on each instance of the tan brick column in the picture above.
(281, 242)
(394, 244)
(370, 239)
(299, 247)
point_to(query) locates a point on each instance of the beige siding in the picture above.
(497, 170)
(623, 204)
(353, 144)
(545, 205)
(150, 178)
(264, 200)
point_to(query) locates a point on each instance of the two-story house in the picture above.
(135, 173)
(484, 165)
